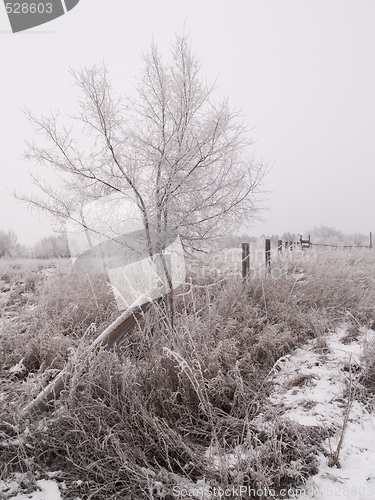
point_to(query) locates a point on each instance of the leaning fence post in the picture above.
(245, 261)
(268, 254)
(106, 339)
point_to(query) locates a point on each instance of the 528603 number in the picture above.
(25, 8)
(347, 491)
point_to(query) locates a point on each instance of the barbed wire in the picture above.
(339, 246)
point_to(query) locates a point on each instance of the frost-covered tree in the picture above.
(8, 243)
(182, 157)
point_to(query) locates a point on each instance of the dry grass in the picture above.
(168, 406)
(368, 364)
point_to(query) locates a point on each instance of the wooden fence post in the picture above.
(370, 246)
(279, 246)
(268, 254)
(305, 243)
(245, 261)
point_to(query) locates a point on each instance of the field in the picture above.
(254, 387)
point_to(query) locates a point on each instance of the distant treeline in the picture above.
(46, 248)
(57, 246)
(235, 241)
(330, 236)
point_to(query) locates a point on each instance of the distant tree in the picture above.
(234, 241)
(332, 236)
(52, 247)
(8, 243)
(4, 244)
(289, 237)
(358, 239)
(327, 235)
(274, 239)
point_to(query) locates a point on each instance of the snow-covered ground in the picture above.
(321, 398)
(311, 388)
(47, 490)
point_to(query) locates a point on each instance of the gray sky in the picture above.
(303, 73)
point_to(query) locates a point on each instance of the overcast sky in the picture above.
(303, 72)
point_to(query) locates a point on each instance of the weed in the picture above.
(368, 365)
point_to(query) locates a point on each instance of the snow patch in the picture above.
(310, 387)
(49, 490)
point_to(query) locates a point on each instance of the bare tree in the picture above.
(51, 247)
(183, 158)
(9, 245)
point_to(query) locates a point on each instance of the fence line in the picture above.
(340, 246)
(288, 246)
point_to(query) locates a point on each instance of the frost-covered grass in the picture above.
(171, 413)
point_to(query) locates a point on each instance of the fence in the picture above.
(288, 246)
